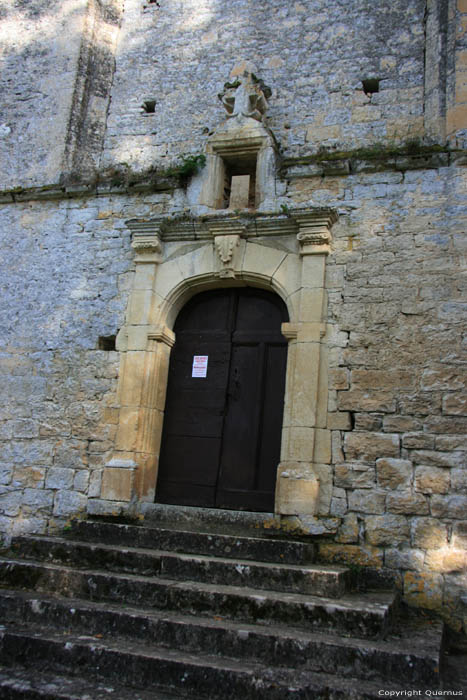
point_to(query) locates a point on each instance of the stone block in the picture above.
(368, 447)
(423, 590)
(301, 444)
(81, 480)
(69, 503)
(59, 478)
(38, 498)
(95, 482)
(363, 501)
(446, 443)
(446, 560)
(117, 484)
(10, 503)
(407, 503)
(387, 530)
(336, 447)
(418, 441)
(429, 533)
(297, 491)
(459, 535)
(339, 378)
(352, 476)
(351, 554)
(338, 507)
(322, 450)
(394, 473)
(459, 481)
(349, 529)
(446, 424)
(339, 421)
(400, 424)
(29, 477)
(432, 479)
(239, 193)
(443, 379)
(454, 506)
(369, 422)
(24, 428)
(386, 380)
(455, 404)
(359, 400)
(439, 459)
(6, 474)
(404, 559)
(420, 404)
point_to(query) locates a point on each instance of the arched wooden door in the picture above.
(225, 396)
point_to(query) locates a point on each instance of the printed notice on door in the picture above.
(200, 366)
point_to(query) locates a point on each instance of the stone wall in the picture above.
(313, 54)
(393, 491)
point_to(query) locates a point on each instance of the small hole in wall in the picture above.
(370, 85)
(149, 106)
(106, 342)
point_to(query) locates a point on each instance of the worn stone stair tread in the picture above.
(365, 614)
(415, 642)
(195, 530)
(30, 684)
(242, 566)
(203, 669)
(376, 601)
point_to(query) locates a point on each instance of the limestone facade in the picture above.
(355, 143)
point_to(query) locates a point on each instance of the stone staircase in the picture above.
(192, 608)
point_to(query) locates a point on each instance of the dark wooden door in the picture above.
(221, 437)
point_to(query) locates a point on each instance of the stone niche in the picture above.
(241, 155)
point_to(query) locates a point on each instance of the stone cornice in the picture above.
(299, 221)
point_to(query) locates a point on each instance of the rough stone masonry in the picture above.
(103, 103)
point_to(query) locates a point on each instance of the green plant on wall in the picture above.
(189, 166)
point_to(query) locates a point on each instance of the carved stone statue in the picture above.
(246, 96)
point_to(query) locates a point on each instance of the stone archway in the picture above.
(174, 261)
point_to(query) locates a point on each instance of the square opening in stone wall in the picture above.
(149, 106)
(370, 85)
(239, 181)
(106, 342)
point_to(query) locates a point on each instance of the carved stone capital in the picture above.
(314, 235)
(162, 334)
(146, 241)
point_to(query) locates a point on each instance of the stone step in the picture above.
(412, 656)
(330, 581)
(265, 548)
(143, 667)
(25, 683)
(365, 615)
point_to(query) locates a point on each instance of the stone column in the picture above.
(145, 352)
(305, 441)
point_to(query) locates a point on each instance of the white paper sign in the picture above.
(200, 366)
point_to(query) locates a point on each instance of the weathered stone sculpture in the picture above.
(247, 97)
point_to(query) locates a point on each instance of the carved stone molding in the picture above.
(162, 334)
(314, 235)
(225, 248)
(146, 241)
